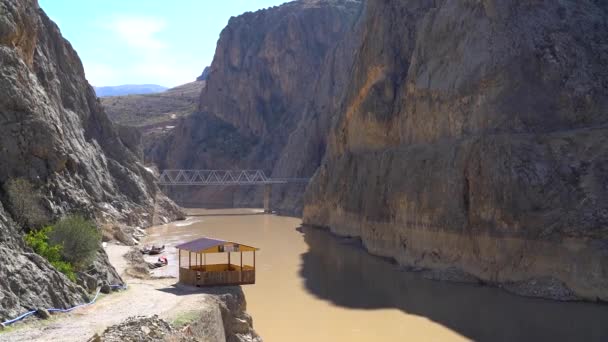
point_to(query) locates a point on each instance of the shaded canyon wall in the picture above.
(473, 137)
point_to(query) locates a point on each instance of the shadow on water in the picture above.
(346, 275)
(228, 214)
(186, 290)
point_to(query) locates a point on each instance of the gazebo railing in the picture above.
(217, 274)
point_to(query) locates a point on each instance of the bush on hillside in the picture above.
(24, 204)
(38, 240)
(79, 239)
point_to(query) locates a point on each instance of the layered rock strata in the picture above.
(473, 136)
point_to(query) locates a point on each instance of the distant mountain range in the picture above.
(129, 89)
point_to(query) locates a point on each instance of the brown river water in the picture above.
(313, 286)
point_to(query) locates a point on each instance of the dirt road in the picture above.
(143, 297)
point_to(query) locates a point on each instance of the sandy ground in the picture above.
(143, 297)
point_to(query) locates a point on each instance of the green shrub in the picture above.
(38, 240)
(65, 268)
(79, 239)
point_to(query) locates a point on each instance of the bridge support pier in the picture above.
(267, 194)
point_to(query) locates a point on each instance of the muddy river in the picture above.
(312, 286)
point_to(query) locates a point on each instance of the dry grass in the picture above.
(153, 110)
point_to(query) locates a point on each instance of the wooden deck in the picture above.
(217, 274)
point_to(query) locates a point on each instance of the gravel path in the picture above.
(142, 298)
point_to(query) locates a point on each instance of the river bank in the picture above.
(143, 297)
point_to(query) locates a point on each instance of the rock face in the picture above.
(225, 317)
(274, 73)
(27, 281)
(204, 75)
(54, 133)
(473, 135)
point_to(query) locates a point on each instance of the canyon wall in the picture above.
(54, 133)
(266, 104)
(473, 138)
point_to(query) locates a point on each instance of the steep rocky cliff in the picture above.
(274, 73)
(473, 137)
(204, 74)
(54, 133)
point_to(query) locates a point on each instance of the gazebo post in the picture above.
(189, 260)
(254, 259)
(228, 260)
(179, 258)
(241, 269)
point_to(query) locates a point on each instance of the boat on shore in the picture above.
(153, 250)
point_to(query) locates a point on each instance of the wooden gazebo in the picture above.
(197, 272)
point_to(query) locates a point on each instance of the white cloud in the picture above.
(138, 32)
(99, 74)
(163, 69)
(134, 52)
(167, 70)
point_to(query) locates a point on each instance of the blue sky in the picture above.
(145, 41)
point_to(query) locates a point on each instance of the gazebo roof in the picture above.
(204, 244)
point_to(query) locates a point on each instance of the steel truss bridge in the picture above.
(221, 178)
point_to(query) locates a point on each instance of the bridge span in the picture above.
(225, 178)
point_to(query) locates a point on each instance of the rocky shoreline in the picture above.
(536, 287)
(221, 319)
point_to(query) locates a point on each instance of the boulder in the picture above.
(43, 314)
(87, 282)
(106, 288)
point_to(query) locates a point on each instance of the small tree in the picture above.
(38, 240)
(24, 204)
(79, 239)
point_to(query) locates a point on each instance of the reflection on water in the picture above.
(337, 270)
(311, 286)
